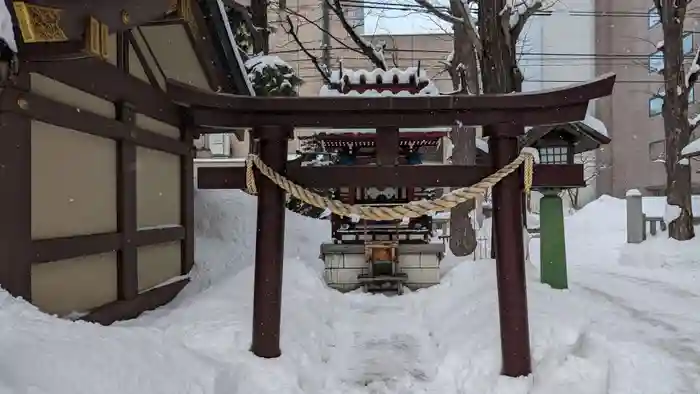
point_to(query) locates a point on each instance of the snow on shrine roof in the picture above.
(596, 124)
(6, 32)
(387, 77)
(380, 77)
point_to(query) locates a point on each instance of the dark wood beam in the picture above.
(269, 247)
(510, 261)
(55, 249)
(558, 176)
(15, 205)
(57, 51)
(358, 176)
(129, 309)
(118, 15)
(220, 111)
(114, 85)
(547, 99)
(545, 175)
(127, 257)
(141, 56)
(329, 114)
(44, 109)
(187, 196)
(203, 44)
(388, 146)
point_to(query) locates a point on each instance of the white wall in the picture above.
(554, 55)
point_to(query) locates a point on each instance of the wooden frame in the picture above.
(19, 106)
(503, 118)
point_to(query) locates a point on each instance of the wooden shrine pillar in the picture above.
(510, 261)
(269, 244)
(387, 146)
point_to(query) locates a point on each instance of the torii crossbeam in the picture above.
(503, 116)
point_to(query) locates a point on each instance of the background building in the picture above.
(626, 44)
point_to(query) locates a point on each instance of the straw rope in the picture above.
(410, 210)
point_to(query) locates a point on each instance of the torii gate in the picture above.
(503, 116)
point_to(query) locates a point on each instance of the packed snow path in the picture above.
(629, 324)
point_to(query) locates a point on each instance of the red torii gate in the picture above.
(273, 120)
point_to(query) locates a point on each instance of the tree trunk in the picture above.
(258, 14)
(676, 125)
(462, 233)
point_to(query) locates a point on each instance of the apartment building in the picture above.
(626, 44)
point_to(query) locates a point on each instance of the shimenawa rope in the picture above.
(413, 209)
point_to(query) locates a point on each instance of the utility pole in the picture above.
(326, 37)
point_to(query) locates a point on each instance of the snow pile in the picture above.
(615, 331)
(225, 223)
(654, 206)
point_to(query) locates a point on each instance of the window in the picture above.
(656, 59)
(656, 62)
(554, 155)
(653, 17)
(688, 43)
(655, 105)
(657, 150)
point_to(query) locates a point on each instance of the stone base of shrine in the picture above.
(344, 263)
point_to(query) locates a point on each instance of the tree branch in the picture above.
(291, 30)
(316, 25)
(430, 8)
(363, 45)
(524, 17)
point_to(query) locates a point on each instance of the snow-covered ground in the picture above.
(629, 324)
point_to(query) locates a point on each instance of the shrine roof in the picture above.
(403, 130)
(590, 133)
(412, 81)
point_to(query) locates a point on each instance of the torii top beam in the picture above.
(214, 112)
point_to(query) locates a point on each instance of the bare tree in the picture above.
(677, 127)
(464, 66)
(349, 40)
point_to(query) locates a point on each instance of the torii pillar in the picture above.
(508, 241)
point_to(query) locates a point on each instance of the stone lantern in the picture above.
(558, 145)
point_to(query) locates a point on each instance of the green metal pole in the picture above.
(552, 240)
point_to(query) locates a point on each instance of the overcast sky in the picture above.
(400, 22)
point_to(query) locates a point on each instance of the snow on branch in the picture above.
(520, 12)
(694, 70)
(432, 9)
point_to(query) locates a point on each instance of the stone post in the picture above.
(635, 217)
(552, 240)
